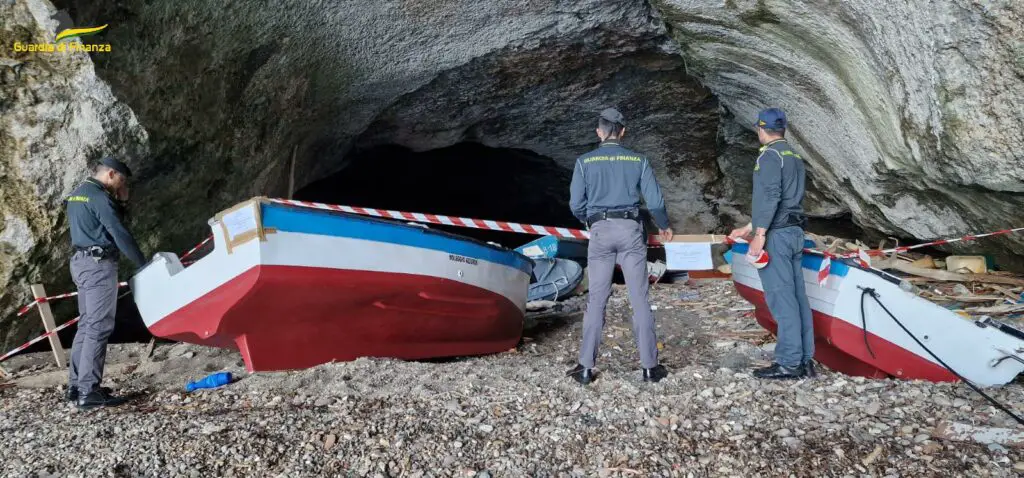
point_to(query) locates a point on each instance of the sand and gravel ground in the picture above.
(511, 414)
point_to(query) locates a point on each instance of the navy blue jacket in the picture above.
(614, 178)
(779, 182)
(95, 220)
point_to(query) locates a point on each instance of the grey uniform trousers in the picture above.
(786, 294)
(97, 304)
(622, 241)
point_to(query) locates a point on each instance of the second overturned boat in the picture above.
(292, 287)
(855, 334)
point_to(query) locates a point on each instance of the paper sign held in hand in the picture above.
(688, 256)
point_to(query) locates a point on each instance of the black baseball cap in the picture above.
(613, 115)
(116, 166)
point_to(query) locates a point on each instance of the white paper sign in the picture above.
(240, 221)
(688, 256)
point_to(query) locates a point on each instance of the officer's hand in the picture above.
(756, 246)
(741, 231)
(122, 193)
(665, 235)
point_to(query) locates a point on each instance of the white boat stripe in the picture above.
(163, 286)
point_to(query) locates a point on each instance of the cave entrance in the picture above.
(467, 180)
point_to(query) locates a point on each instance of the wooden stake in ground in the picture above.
(47, 315)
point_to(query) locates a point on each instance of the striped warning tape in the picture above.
(41, 300)
(194, 249)
(41, 337)
(940, 242)
(27, 307)
(443, 220)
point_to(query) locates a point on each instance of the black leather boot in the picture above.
(71, 394)
(582, 374)
(780, 372)
(655, 373)
(809, 370)
(99, 398)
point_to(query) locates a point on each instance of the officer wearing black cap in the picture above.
(778, 224)
(95, 212)
(606, 191)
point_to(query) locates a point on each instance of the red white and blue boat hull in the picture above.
(984, 355)
(309, 287)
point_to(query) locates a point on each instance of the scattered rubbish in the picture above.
(540, 305)
(551, 247)
(688, 295)
(655, 270)
(925, 262)
(210, 381)
(974, 264)
(673, 277)
(979, 434)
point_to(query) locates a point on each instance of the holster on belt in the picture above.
(633, 214)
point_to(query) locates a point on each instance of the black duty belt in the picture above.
(795, 219)
(98, 252)
(633, 214)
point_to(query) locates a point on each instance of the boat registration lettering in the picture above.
(463, 259)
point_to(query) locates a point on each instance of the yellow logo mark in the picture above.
(66, 46)
(78, 32)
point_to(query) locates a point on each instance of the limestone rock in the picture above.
(55, 116)
(908, 115)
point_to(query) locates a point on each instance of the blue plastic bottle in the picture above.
(210, 381)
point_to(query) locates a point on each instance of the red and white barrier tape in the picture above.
(194, 249)
(41, 337)
(41, 300)
(940, 242)
(27, 307)
(445, 220)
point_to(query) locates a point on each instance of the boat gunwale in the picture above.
(397, 223)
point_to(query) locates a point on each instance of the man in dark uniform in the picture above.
(95, 211)
(778, 222)
(607, 186)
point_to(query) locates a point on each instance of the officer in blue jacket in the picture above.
(95, 212)
(778, 223)
(605, 194)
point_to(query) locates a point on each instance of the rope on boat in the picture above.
(874, 295)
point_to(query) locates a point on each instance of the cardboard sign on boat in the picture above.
(694, 252)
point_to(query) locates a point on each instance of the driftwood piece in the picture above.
(947, 276)
(979, 434)
(1013, 295)
(997, 310)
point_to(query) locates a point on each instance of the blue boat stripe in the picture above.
(810, 261)
(310, 221)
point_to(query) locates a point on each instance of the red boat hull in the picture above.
(840, 346)
(286, 317)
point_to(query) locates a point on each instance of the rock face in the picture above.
(229, 95)
(55, 115)
(908, 110)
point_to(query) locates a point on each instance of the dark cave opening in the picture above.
(466, 180)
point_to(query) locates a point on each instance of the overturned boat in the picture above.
(292, 287)
(856, 335)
